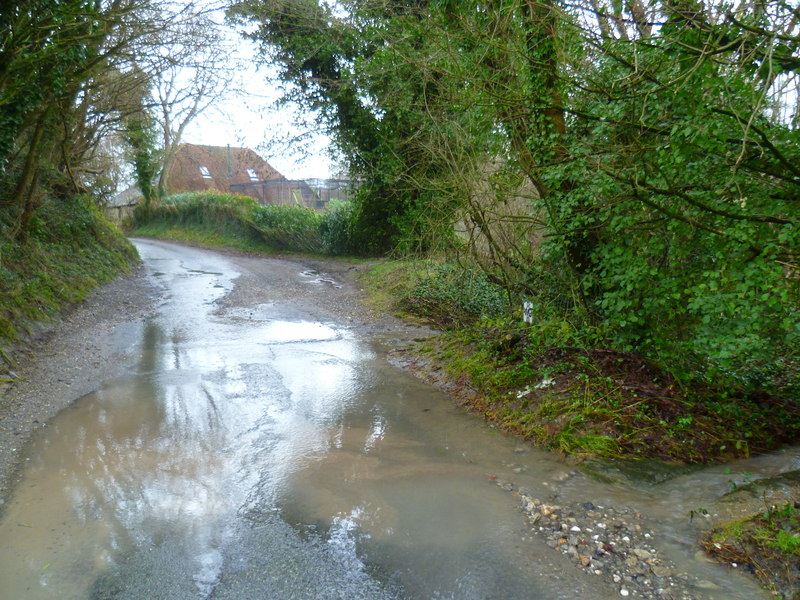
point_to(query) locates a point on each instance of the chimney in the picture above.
(230, 163)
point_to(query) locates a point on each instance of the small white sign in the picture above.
(527, 312)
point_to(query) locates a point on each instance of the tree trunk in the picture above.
(24, 194)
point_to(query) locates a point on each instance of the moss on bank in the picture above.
(765, 544)
(596, 402)
(71, 249)
(604, 403)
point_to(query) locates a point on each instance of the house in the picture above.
(197, 168)
(119, 209)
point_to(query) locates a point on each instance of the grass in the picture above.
(559, 390)
(603, 403)
(203, 236)
(71, 250)
(388, 281)
(766, 544)
(427, 290)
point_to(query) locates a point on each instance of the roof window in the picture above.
(252, 174)
(204, 172)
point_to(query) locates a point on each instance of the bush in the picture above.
(210, 197)
(455, 297)
(293, 228)
(239, 220)
(337, 228)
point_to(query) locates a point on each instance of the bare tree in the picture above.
(193, 71)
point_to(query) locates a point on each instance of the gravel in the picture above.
(615, 544)
(67, 359)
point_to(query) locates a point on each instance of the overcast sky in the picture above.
(248, 118)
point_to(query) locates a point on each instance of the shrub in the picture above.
(454, 297)
(284, 227)
(210, 197)
(336, 228)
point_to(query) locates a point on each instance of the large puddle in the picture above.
(255, 454)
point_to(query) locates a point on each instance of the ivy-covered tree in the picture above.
(68, 73)
(657, 144)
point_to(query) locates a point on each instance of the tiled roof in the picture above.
(226, 165)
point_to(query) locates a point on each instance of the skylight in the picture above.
(204, 172)
(252, 174)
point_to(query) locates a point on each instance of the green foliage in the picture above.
(336, 67)
(196, 200)
(240, 220)
(660, 162)
(768, 541)
(71, 250)
(202, 216)
(454, 297)
(292, 228)
(601, 402)
(46, 51)
(140, 137)
(336, 228)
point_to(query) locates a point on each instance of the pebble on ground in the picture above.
(612, 543)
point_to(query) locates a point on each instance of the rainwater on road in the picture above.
(260, 452)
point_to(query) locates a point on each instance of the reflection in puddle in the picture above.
(317, 277)
(170, 456)
(181, 480)
(286, 331)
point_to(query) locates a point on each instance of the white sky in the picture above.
(247, 117)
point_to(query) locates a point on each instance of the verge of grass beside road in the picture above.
(71, 250)
(579, 399)
(193, 234)
(766, 544)
(216, 218)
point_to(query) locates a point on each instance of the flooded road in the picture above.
(266, 449)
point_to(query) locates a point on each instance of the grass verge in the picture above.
(562, 391)
(218, 219)
(559, 391)
(766, 545)
(71, 250)
(202, 236)
(603, 403)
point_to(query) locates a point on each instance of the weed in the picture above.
(453, 296)
(768, 543)
(71, 250)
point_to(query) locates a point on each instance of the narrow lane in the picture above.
(264, 449)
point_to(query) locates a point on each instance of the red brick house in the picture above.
(197, 168)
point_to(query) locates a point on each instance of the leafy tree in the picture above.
(326, 58)
(140, 137)
(70, 75)
(47, 50)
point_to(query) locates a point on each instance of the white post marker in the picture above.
(527, 312)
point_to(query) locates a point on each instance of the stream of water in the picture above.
(254, 453)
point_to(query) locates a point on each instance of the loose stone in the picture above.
(617, 546)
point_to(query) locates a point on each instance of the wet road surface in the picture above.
(263, 449)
